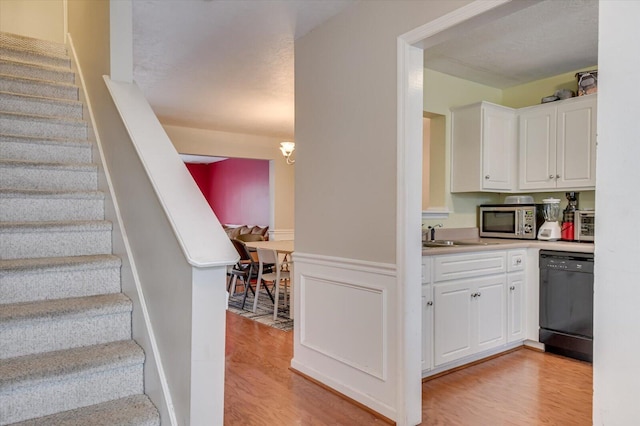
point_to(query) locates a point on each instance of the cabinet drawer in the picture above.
(469, 265)
(517, 261)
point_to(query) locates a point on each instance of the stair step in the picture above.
(51, 325)
(48, 176)
(41, 106)
(18, 41)
(46, 150)
(22, 240)
(34, 56)
(39, 385)
(30, 280)
(44, 88)
(37, 71)
(40, 126)
(136, 410)
(29, 205)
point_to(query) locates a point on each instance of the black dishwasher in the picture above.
(566, 303)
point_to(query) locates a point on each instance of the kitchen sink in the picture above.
(456, 243)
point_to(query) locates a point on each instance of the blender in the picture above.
(550, 229)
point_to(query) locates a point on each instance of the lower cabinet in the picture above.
(472, 303)
(469, 317)
(427, 328)
(516, 307)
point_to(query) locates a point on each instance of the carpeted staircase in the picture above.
(66, 352)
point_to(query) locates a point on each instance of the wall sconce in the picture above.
(287, 149)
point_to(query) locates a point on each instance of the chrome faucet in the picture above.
(432, 231)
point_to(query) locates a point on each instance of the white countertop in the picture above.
(507, 244)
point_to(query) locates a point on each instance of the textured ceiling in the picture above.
(548, 38)
(225, 65)
(228, 65)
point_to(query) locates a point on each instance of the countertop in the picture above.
(506, 244)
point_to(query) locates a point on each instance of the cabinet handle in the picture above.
(513, 287)
(474, 294)
(478, 294)
(430, 303)
(518, 261)
(550, 176)
(487, 177)
(557, 176)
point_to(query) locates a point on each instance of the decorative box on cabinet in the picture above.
(483, 148)
(558, 145)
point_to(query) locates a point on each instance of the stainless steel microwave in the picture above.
(517, 221)
(585, 225)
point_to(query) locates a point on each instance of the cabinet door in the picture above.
(498, 148)
(490, 308)
(427, 328)
(537, 147)
(452, 321)
(515, 306)
(576, 141)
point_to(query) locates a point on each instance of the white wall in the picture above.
(346, 206)
(617, 267)
(42, 19)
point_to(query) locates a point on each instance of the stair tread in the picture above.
(133, 410)
(46, 264)
(40, 81)
(49, 165)
(37, 52)
(37, 98)
(48, 194)
(38, 44)
(30, 370)
(36, 139)
(45, 67)
(56, 226)
(72, 307)
(42, 118)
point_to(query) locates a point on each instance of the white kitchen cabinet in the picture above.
(483, 148)
(515, 306)
(557, 143)
(427, 328)
(469, 317)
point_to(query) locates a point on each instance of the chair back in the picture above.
(250, 237)
(267, 256)
(242, 250)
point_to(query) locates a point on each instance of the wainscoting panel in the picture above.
(334, 302)
(345, 324)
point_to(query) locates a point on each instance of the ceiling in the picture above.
(229, 65)
(548, 38)
(224, 65)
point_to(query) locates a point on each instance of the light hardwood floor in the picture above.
(520, 388)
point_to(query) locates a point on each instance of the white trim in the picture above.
(387, 269)
(143, 305)
(281, 234)
(435, 213)
(409, 120)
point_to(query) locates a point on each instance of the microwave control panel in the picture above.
(528, 221)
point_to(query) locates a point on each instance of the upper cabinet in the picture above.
(558, 145)
(483, 148)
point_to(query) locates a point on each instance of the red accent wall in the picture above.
(237, 189)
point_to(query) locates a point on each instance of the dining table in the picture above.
(285, 248)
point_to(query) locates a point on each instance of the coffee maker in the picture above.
(568, 216)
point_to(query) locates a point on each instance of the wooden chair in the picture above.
(267, 257)
(246, 269)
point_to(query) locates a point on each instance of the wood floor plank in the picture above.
(520, 388)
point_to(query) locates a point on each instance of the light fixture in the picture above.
(287, 149)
